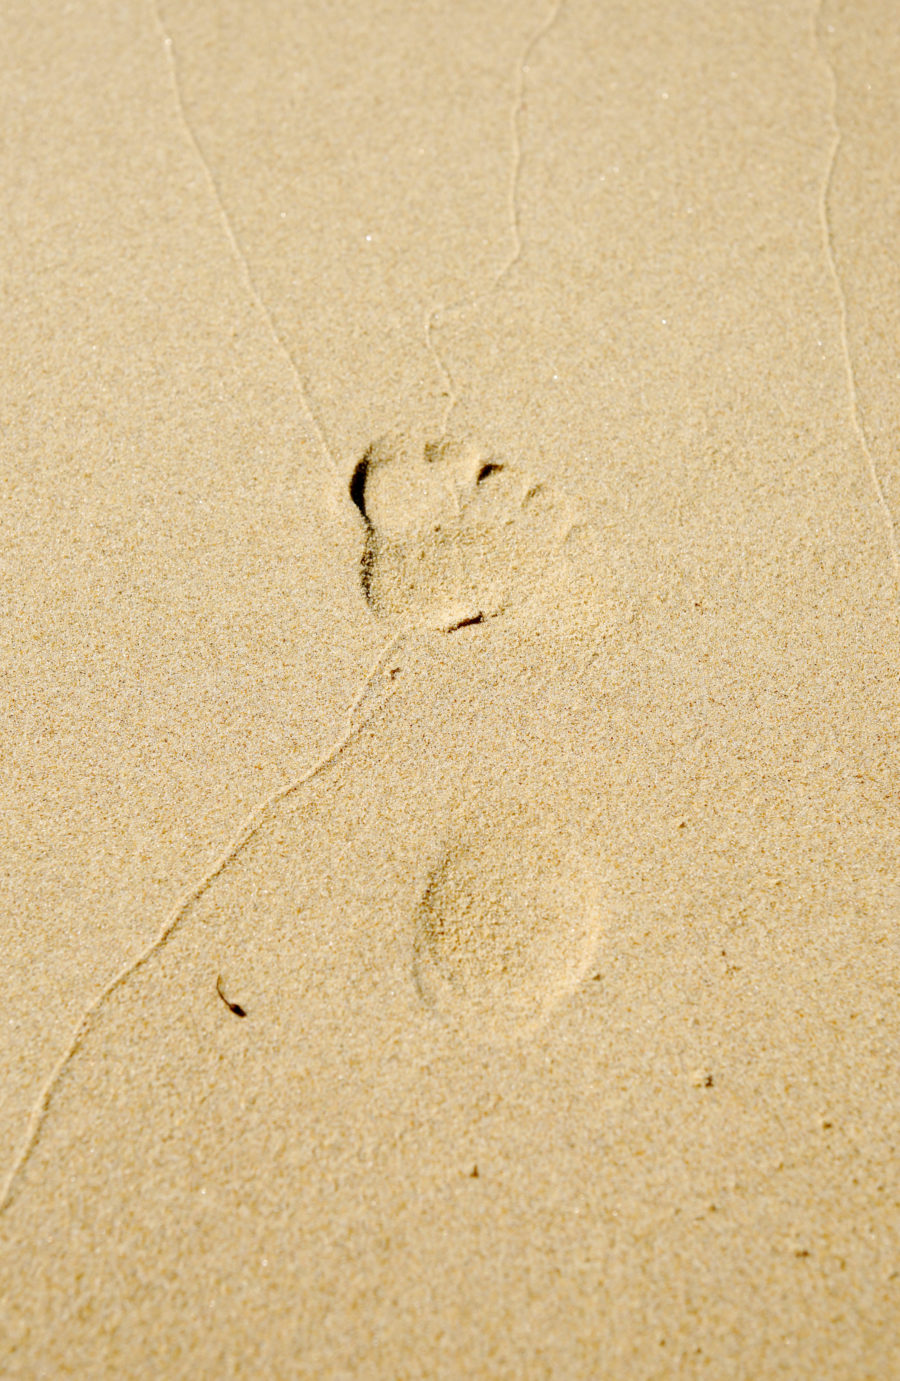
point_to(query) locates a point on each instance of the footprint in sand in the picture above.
(507, 922)
(453, 533)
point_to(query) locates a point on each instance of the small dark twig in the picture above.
(232, 1006)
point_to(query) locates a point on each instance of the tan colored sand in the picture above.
(558, 880)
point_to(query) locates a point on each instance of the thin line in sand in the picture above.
(828, 240)
(470, 298)
(302, 386)
(241, 836)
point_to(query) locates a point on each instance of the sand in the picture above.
(450, 581)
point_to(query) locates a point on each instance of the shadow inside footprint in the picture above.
(507, 926)
(452, 533)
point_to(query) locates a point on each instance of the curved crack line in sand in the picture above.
(432, 316)
(241, 836)
(234, 244)
(516, 139)
(828, 241)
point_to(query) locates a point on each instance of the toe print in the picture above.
(452, 534)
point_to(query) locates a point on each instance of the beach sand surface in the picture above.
(450, 564)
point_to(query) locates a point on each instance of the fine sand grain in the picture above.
(451, 866)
